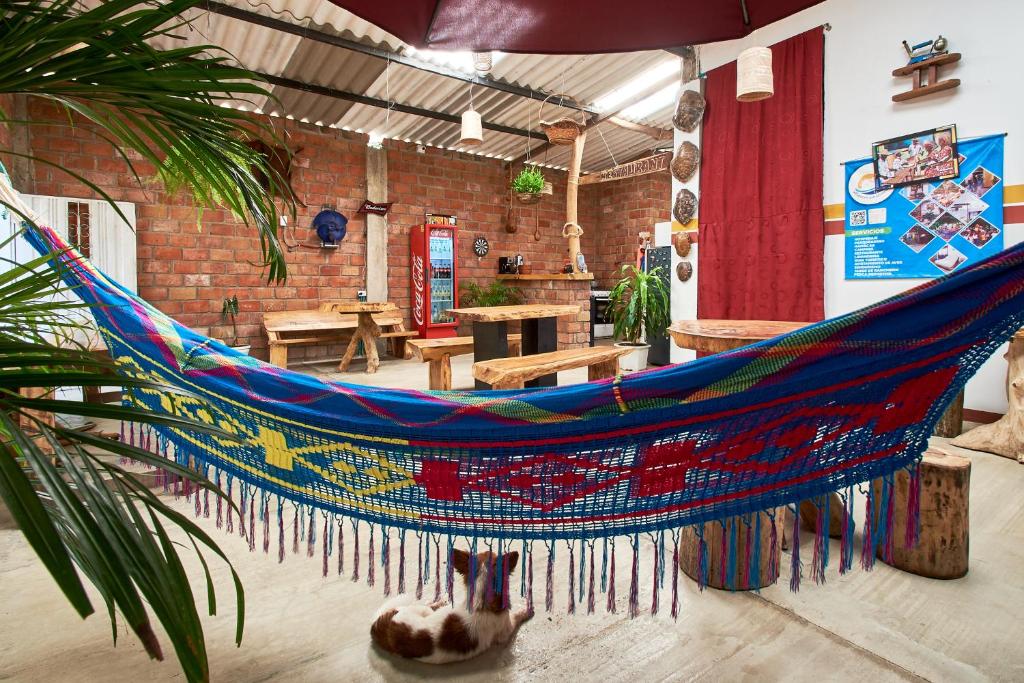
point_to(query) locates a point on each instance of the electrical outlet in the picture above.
(284, 221)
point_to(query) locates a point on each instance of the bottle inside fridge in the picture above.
(442, 246)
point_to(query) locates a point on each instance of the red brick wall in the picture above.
(622, 209)
(6, 106)
(186, 270)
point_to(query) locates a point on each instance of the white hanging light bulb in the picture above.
(754, 78)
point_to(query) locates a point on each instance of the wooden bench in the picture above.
(438, 353)
(510, 373)
(325, 326)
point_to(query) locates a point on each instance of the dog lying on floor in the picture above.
(440, 633)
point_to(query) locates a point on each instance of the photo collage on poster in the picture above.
(926, 228)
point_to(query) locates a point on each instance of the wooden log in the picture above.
(951, 423)
(441, 373)
(689, 543)
(572, 191)
(809, 516)
(1006, 436)
(942, 551)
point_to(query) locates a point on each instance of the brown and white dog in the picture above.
(439, 633)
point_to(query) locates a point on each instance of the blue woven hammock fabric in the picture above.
(826, 407)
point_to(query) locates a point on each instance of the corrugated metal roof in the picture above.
(584, 77)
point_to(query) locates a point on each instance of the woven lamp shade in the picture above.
(472, 128)
(754, 79)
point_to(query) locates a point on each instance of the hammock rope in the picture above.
(822, 409)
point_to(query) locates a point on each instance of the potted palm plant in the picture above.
(528, 185)
(228, 312)
(639, 307)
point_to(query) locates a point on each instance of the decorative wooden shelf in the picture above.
(909, 69)
(548, 276)
(934, 85)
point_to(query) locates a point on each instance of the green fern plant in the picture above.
(529, 181)
(497, 293)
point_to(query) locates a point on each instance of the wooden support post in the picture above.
(376, 226)
(572, 192)
(1006, 436)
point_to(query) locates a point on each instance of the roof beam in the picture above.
(373, 51)
(656, 133)
(384, 104)
(594, 121)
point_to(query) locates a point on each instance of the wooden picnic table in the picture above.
(367, 331)
(539, 330)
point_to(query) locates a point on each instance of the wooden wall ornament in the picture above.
(280, 161)
(684, 271)
(930, 83)
(685, 206)
(685, 162)
(689, 111)
(645, 166)
(682, 242)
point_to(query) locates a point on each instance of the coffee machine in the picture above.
(509, 265)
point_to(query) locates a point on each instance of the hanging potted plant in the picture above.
(639, 307)
(528, 185)
(228, 311)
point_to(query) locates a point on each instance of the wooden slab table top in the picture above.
(367, 331)
(714, 336)
(539, 332)
(518, 312)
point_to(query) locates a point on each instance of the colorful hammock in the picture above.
(823, 409)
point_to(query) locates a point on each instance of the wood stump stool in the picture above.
(942, 551)
(689, 544)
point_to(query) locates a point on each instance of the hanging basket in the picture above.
(528, 197)
(565, 130)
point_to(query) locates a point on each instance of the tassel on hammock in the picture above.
(266, 524)
(634, 582)
(583, 566)
(754, 578)
(610, 605)
(220, 506)
(230, 508)
(604, 565)
(748, 555)
(912, 533)
(280, 531)
(401, 561)
(385, 552)
(326, 542)
(773, 551)
(419, 564)
(818, 556)
(355, 550)
(675, 575)
(450, 573)
(702, 559)
(437, 569)
(371, 568)
(590, 583)
(867, 550)
(795, 567)
(252, 523)
(549, 589)
(655, 584)
(572, 576)
(889, 494)
(311, 536)
(529, 580)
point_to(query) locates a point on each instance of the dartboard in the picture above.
(480, 246)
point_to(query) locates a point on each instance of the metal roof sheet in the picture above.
(584, 77)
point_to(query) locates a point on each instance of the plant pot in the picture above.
(635, 361)
(528, 197)
(242, 348)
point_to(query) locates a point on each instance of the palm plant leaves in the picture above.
(639, 304)
(165, 105)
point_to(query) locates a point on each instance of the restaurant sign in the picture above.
(654, 164)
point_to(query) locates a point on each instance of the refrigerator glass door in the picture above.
(442, 274)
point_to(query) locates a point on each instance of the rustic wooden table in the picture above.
(367, 331)
(539, 328)
(715, 336)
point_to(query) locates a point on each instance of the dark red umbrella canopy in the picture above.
(569, 26)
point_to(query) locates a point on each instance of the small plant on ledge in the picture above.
(528, 185)
(228, 312)
(495, 294)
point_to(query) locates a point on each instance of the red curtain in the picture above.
(761, 221)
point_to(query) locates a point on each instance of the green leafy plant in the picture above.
(497, 293)
(83, 515)
(530, 180)
(228, 312)
(639, 304)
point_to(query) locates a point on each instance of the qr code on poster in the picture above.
(858, 218)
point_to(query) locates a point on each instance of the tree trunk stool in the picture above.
(942, 551)
(689, 545)
(809, 516)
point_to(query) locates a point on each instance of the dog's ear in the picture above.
(511, 560)
(460, 560)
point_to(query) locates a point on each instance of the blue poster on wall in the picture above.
(930, 228)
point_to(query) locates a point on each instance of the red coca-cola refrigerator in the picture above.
(435, 281)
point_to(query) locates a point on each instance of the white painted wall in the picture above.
(861, 50)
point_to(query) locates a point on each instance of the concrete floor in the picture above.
(880, 626)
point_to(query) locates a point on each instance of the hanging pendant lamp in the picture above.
(754, 80)
(472, 128)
